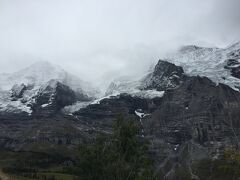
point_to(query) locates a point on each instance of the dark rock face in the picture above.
(232, 62)
(234, 66)
(194, 119)
(103, 114)
(17, 91)
(198, 110)
(165, 76)
(36, 134)
(46, 124)
(235, 54)
(236, 72)
(64, 96)
(52, 98)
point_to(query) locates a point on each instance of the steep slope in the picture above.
(195, 118)
(40, 73)
(221, 65)
(186, 118)
(21, 91)
(164, 76)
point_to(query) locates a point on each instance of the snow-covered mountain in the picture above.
(18, 91)
(174, 110)
(221, 65)
(123, 85)
(40, 73)
(128, 84)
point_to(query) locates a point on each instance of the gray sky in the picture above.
(104, 38)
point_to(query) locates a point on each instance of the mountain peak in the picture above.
(210, 62)
(40, 73)
(37, 74)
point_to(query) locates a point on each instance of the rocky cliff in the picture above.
(191, 117)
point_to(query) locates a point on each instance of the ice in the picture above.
(27, 83)
(148, 94)
(7, 105)
(141, 115)
(42, 72)
(44, 105)
(75, 107)
(208, 62)
(79, 105)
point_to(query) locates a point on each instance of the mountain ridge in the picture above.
(185, 118)
(210, 62)
(19, 90)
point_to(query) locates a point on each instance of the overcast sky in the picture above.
(100, 38)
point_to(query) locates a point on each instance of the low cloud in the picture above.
(95, 39)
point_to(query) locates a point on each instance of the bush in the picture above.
(122, 155)
(226, 167)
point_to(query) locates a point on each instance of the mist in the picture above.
(100, 40)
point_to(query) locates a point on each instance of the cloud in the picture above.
(107, 38)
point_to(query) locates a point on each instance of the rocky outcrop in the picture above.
(17, 91)
(194, 119)
(41, 133)
(197, 110)
(234, 66)
(53, 97)
(102, 115)
(165, 76)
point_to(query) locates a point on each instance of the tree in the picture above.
(232, 163)
(120, 156)
(225, 167)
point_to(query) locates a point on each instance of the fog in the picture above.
(97, 40)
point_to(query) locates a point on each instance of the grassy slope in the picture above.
(9, 158)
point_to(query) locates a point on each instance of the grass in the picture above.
(59, 176)
(13, 177)
(9, 158)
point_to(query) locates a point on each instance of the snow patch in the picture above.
(141, 115)
(44, 105)
(75, 107)
(7, 105)
(41, 73)
(79, 105)
(97, 101)
(176, 147)
(148, 94)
